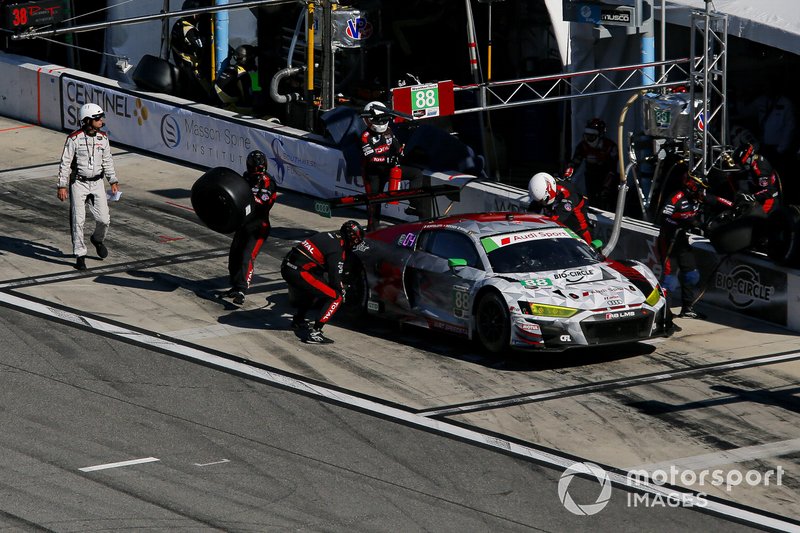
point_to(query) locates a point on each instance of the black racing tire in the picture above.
(729, 234)
(493, 323)
(155, 74)
(783, 229)
(222, 199)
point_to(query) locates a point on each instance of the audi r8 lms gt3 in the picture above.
(513, 280)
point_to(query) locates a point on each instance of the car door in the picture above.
(438, 289)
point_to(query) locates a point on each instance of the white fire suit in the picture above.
(86, 160)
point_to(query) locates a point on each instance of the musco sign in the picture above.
(616, 16)
(750, 289)
(607, 13)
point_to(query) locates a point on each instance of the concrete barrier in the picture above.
(49, 95)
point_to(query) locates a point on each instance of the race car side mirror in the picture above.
(455, 263)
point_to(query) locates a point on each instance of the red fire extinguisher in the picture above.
(395, 175)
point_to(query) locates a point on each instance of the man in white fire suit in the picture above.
(85, 162)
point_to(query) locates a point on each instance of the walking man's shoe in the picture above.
(688, 312)
(315, 336)
(80, 263)
(102, 251)
(238, 298)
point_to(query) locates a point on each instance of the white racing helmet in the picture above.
(89, 111)
(542, 188)
(376, 116)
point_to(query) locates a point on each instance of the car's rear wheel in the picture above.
(492, 323)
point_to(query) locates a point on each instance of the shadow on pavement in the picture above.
(41, 252)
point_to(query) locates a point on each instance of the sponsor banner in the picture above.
(752, 289)
(206, 140)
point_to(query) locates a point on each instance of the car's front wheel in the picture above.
(492, 323)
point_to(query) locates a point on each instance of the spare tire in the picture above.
(222, 199)
(156, 75)
(734, 231)
(783, 245)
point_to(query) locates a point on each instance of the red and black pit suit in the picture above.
(567, 208)
(380, 152)
(305, 268)
(600, 172)
(761, 181)
(249, 238)
(681, 213)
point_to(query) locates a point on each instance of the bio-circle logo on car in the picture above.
(589, 508)
(743, 284)
(358, 28)
(574, 276)
(170, 131)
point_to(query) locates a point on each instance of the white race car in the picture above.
(509, 280)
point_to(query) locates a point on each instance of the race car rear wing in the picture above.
(324, 207)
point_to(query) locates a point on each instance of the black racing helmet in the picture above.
(352, 233)
(694, 185)
(598, 125)
(744, 155)
(245, 56)
(256, 161)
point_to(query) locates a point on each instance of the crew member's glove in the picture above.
(568, 173)
(392, 160)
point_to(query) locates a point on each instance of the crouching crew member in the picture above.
(313, 270)
(560, 203)
(682, 213)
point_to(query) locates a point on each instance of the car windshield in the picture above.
(535, 252)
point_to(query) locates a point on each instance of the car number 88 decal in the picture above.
(460, 301)
(534, 283)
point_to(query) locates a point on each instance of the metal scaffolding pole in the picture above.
(708, 91)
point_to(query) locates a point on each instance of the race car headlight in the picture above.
(654, 297)
(552, 311)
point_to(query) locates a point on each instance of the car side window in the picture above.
(451, 245)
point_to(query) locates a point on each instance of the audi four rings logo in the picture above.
(589, 508)
(170, 131)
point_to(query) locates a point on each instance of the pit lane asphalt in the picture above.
(72, 339)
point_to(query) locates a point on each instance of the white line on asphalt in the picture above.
(552, 457)
(737, 455)
(214, 463)
(117, 465)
